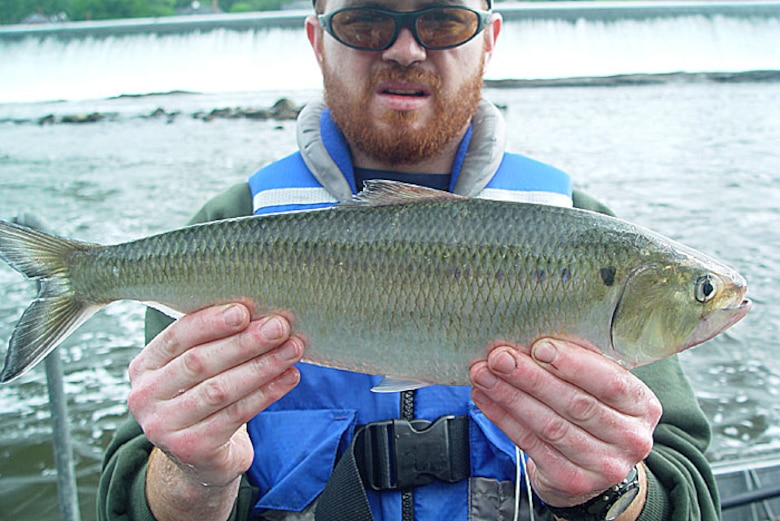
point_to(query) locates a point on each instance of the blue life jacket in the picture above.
(298, 439)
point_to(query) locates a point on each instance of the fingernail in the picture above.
(289, 377)
(289, 351)
(272, 328)
(233, 315)
(484, 378)
(502, 362)
(545, 352)
(478, 397)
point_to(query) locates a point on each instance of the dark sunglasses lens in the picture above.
(363, 28)
(447, 27)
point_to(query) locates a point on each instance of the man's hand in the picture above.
(193, 388)
(583, 420)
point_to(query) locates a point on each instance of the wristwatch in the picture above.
(607, 506)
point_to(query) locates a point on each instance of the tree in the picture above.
(235, 6)
(14, 11)
(255, 5)
(107, 9)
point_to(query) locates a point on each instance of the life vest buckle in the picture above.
(401, 454)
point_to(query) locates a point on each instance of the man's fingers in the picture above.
(202, 362)
(541, 453)
(572, 410)
(225, 393)
(576, 387)
(609, 383)
(532, 423)
(193, 329)
(216, 385)
(197, 363)
(552, 405)
(210, 433)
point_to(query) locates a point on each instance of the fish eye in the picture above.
(706, 288)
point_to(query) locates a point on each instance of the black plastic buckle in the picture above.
(400, 454)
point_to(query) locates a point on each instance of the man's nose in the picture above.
(405, 50)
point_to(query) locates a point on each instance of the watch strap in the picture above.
(607, 506)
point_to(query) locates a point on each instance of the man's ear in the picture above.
(491, 35)
(314, 33)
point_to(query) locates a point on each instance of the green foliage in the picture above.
(255, 5)
(241, 7)
(14, 11)
(106, 9)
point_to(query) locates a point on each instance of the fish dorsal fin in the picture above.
(382, 192)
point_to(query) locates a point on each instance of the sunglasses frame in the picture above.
(401, 20)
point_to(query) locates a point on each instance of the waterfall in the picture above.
(235, 53)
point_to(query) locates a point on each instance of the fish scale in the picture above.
(407, 282)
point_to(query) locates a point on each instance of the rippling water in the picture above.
(698, 162)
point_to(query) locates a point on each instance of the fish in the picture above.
(402, 281)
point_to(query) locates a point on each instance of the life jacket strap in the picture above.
(395, 455)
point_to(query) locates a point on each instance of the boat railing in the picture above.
(67, 487)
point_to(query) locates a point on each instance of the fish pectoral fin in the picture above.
(165, 310)
(391, 384)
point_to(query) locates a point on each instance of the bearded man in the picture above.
(228, 423)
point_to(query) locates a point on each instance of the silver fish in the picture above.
(404, 281)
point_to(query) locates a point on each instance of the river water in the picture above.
(695, 160)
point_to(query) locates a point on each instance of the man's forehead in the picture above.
(402, 4)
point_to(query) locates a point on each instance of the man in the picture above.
(232, 426)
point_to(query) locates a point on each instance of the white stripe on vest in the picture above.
(525, 196)
(289, 196)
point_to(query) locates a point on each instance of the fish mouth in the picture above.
(717, 322)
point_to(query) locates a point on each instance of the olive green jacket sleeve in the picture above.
(681, 484)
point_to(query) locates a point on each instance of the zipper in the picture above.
(407, 496)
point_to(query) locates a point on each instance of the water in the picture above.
(103, 182)
(698, 164)
(696, 161)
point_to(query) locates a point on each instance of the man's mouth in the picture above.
(399, 92)
(407, 90)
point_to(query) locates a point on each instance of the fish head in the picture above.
(666, 308)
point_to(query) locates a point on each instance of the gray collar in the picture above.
(484, 155)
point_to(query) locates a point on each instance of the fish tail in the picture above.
(56, 311)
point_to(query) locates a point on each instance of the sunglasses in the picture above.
(435, 28)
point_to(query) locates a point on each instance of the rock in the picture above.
(285, 109)
(218, 113)
(257, 114)
(160, 113)
(92, 117)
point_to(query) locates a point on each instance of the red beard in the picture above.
(402, 144)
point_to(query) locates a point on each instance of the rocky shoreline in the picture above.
(623, 80)
(283, 110)
(286, 110)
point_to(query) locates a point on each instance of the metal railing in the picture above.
(67, 488)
